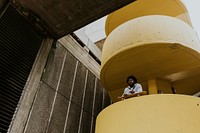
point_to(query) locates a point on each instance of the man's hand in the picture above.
(125, 95)
(132, 92)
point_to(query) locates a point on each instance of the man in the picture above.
(133, 87)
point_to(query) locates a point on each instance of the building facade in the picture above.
(46, 85)
(54, 85)
(155, 41)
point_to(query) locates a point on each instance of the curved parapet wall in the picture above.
(151, 114)
(174, 8)
(150, 47)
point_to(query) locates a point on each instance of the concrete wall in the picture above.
(68, 97)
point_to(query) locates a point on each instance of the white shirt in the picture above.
(137, 88)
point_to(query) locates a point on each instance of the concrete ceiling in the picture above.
(61, 17)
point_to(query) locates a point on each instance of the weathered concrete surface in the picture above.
(62, 17)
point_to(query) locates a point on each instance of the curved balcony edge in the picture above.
(166, 113)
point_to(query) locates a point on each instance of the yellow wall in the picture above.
(139, 8)
(150, 47)
(153, 40)
(164, 113)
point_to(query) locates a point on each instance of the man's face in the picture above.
(131, 82)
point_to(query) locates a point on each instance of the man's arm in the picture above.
(138, 88)
(125, 92)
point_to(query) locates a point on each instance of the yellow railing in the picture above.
(159, 113)
(132, 95)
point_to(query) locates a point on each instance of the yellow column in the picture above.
(152, 86)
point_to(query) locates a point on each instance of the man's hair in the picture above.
(132, 77)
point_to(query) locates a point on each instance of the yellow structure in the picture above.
(174, 8)
(155, 41)
(151, 114)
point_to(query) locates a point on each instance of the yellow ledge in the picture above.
(159, 113)
(133, 95)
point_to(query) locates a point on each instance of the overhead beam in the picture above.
(65, 16)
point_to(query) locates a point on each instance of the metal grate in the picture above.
(19, 45)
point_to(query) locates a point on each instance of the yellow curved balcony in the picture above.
(151, 47)
(151, 114)
(174, 8)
